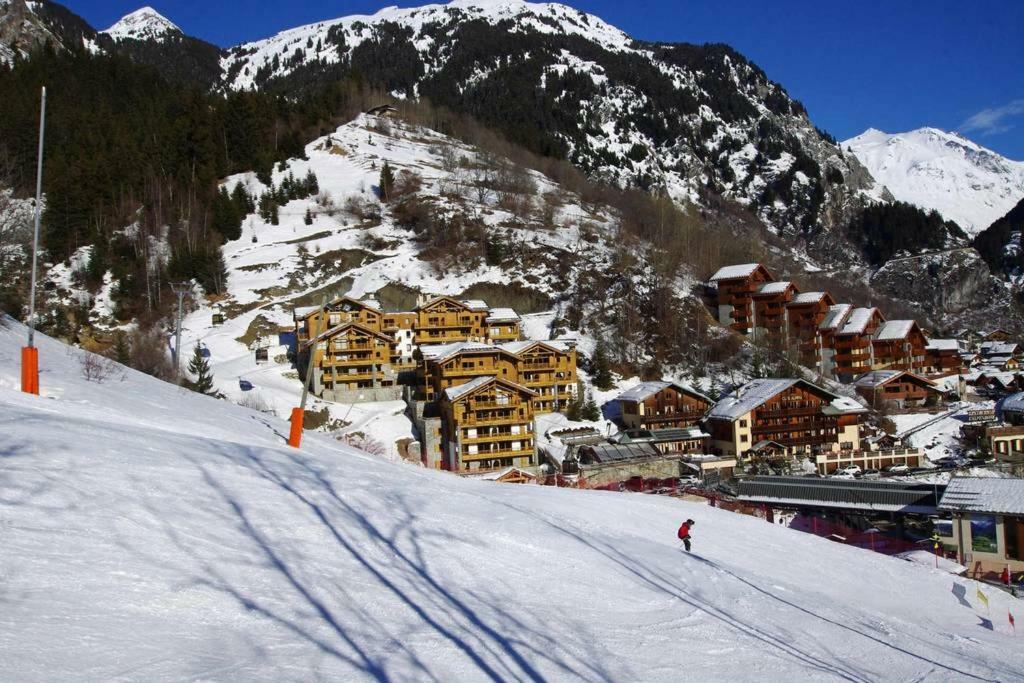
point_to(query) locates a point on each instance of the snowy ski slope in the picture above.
(152, 534)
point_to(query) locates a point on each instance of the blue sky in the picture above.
(889, 65)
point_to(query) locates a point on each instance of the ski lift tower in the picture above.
(181, 289)
(29, 353)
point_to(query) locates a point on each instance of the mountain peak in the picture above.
(942, 170)
(144, 23)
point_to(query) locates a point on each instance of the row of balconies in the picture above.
(526, 451)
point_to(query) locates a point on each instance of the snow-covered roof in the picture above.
(835, 317)
(770, 288)
(877, 378)
(858, 321)
(893, 330)
(457, 392)
(475, 304)
(997, 348)
(443, 351)
(943, 345)
(305, 311)
(502, 315)
(518, 347)
(340, 327)
(1013, 402)
(645, 390)
(757, 392)
(808, 298)
(984, 494)
(734, 272)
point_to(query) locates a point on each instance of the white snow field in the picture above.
(148, 533)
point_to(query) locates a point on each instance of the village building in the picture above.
(824, 350)
(943, 356)
(898, 345)
(770, 321)
(802, 417)
(998, 334)
(668, 440)
(988, 523)
(897, 389)
(444, 319)
(659, 404)
(350, 363)
(502, 325)
(736, 288)
(1000, 355)
(487, 423)
(853, 343)
(1012, 409)
(805, 313)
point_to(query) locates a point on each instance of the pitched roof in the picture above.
(997, 348)
(518, 347)
(770, 288)
(858, 321)
(836, 316)
(444, 351)
(645, 390)
(984, 494)
(943, 345)
(808, 298)
(735, 272)
(471, 304)
(757, 392)
(877, 378)
(502, 315)
(622, 451)
(475, 304)
(457, 392)
(341, 327)
(893, 330)
(1014, 402)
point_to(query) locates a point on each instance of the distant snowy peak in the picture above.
(142, 24)
(933, 169)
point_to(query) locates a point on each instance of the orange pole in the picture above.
(30, 370)
(295, 436)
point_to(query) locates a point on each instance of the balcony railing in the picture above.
(504, 453)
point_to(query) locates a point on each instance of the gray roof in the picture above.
(1014, 402)
(997, 348)
(834, 493)
(877, 378)
(835, 317)
(609, 452)
(756, 393)
(677, 434)
(645, 390)
(984, 494)
(943, 345)
(734, 272)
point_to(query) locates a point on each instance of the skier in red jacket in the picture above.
(684, 533)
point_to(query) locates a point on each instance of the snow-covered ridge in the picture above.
(142, 24)
(541, 17)
(933, 169)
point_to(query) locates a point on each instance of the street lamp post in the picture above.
(29, 353)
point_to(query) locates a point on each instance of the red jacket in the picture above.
(684, 530)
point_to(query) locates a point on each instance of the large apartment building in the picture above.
(661, 404)
(792, 414)
(838, 340)
(349, 359)
(487, 423)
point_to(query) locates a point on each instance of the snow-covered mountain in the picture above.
(142, 24)
(930, 168)
(155, 534)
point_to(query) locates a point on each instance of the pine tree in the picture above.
(308, 218)
(200, 367)
(602, 368)
(274, 219)
(589, 410)
(387, 182)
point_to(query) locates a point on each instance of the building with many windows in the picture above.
(661, 404)
(487, 423)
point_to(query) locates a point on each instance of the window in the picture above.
(743, 438)
(743, 424)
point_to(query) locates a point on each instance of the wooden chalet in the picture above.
(309, 321)
(548, 368)
(502, 325)
(347, 357)
(770, 322)
(443, 320)
(487, 423)
(943, 357)
(660, 404)
(805, 313)
(798, 415)
(898, 345)
(898, 388)
(853, 343)
(736, 288)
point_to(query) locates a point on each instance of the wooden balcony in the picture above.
(505, 453)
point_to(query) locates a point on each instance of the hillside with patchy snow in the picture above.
(935, 170)
(152, 533)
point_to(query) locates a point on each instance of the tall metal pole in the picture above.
(35, 237)
(180, 288)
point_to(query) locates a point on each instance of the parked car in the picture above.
(690, 480)
(842, 474)
(852, 470)
(871, 473)
(898, 468)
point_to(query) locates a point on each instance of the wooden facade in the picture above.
(796, 414)
(487, 424)
(350, 356)
(659, 405)
(771, 320)
(443, 320)
(881, 388)
(806, 312)
(852, 343)
(899, 345)
(736, 288)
